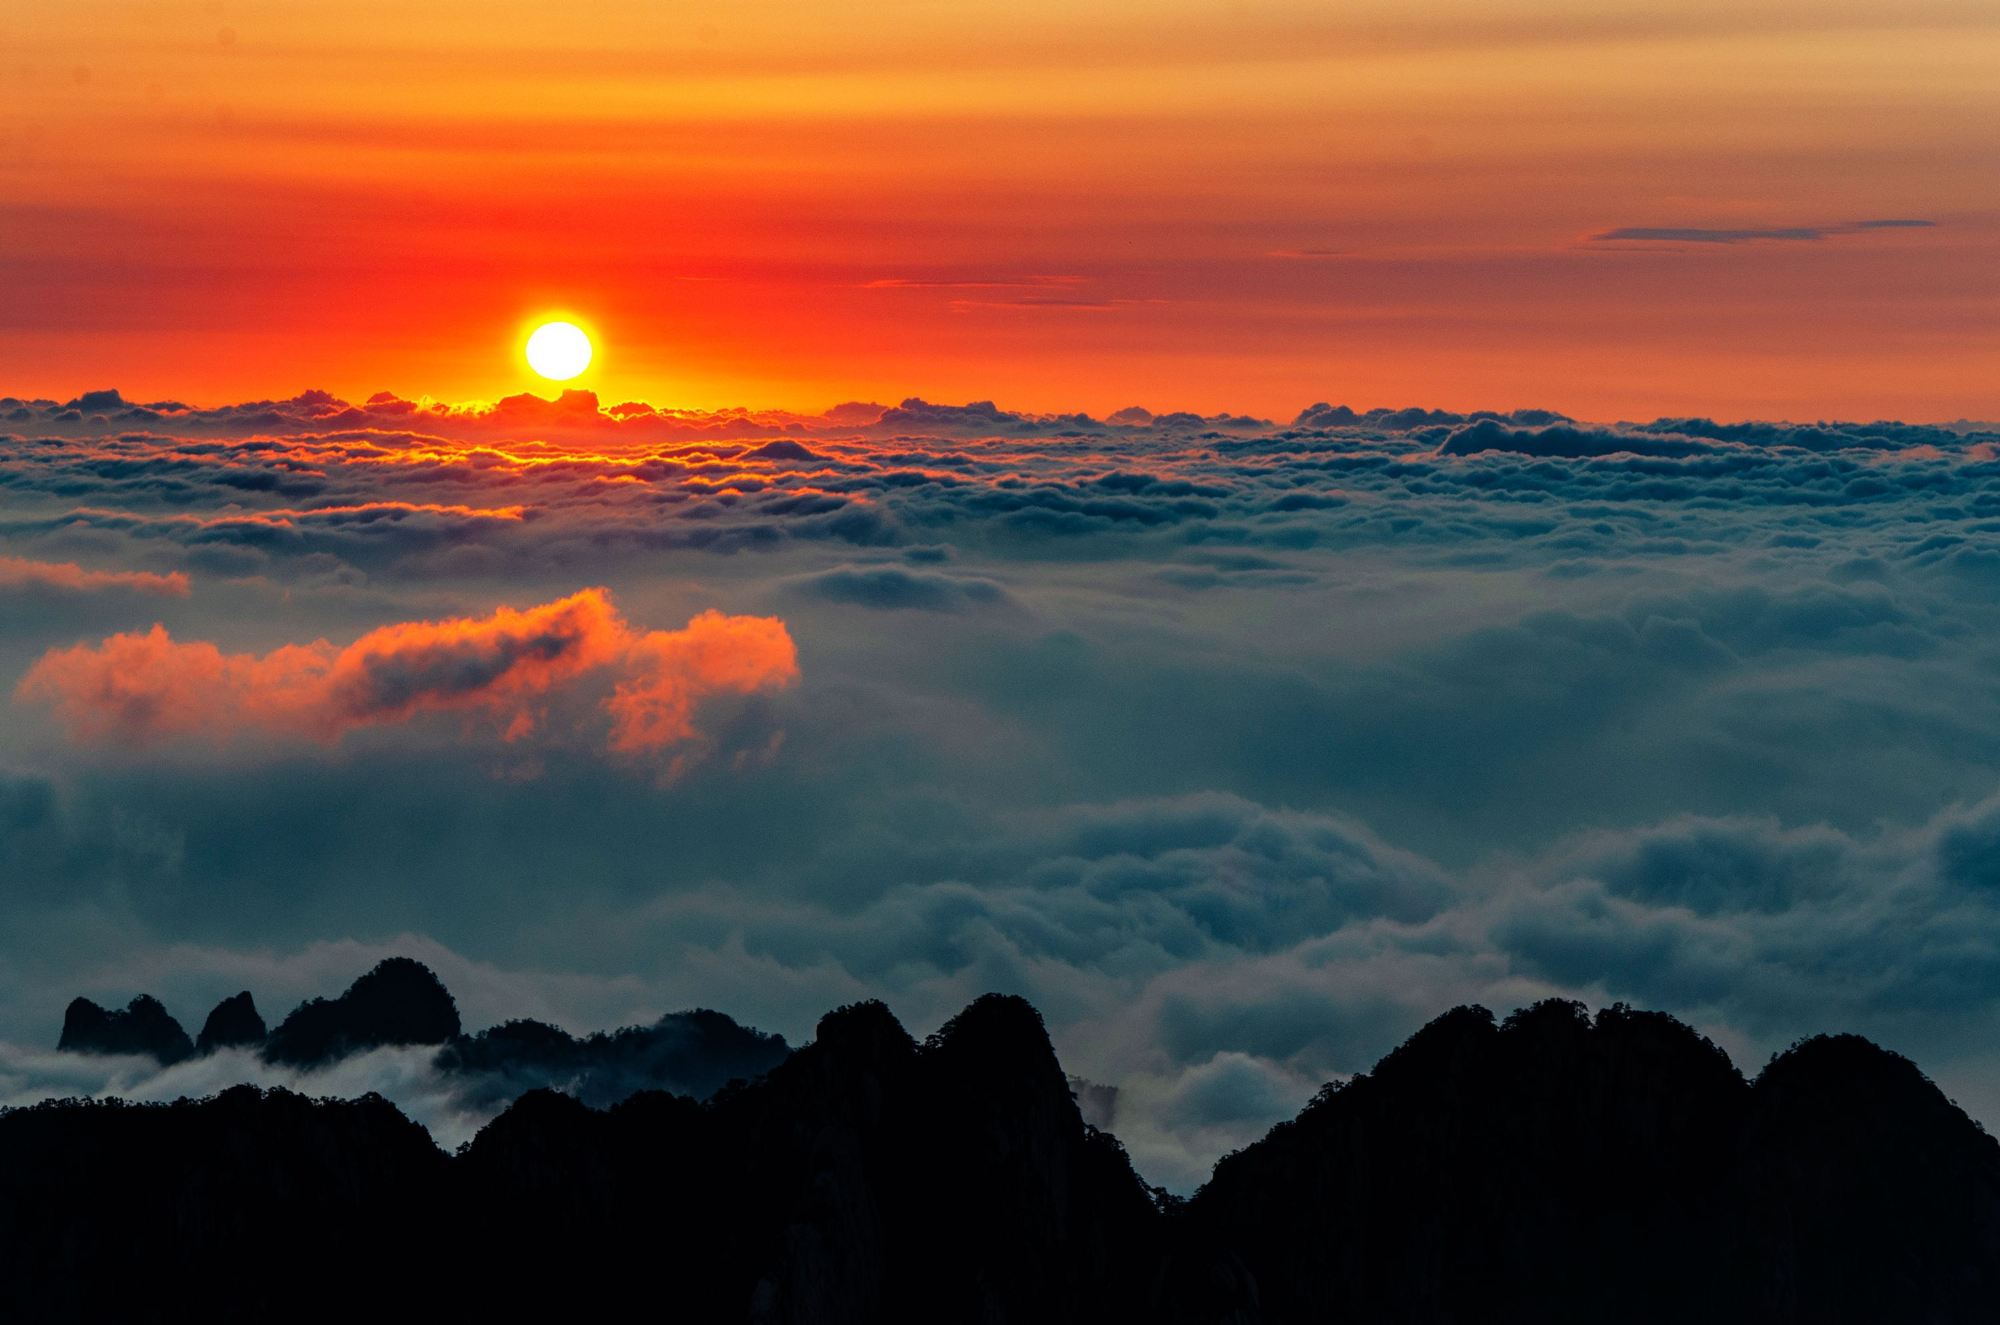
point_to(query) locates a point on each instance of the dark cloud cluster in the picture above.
(1242, 747)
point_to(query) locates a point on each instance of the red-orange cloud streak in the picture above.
(22, 572)
(142, 689)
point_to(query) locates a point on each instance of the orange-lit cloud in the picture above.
(22, 572)
(353, 514)
(671, 670)
(141, 689)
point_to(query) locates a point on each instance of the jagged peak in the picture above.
(233, 1023)
(404, 975)
(142, 1026)
(399, 1001)
(991, 1019)
(999, 1043)
(867, 1023)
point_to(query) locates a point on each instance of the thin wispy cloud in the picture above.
(22, 572)
(1749, 235)
(973, 282)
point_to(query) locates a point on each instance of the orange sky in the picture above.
(1243, 205)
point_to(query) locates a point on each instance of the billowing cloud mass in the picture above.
(141, 688)
(1241, 746)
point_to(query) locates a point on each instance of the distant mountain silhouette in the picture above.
(399, 1002)
(690, 1053)
(234, 1024)
(141, 1027)
(1554, 1167)
(402, 1002)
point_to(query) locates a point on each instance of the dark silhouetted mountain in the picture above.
(1879, 1198)
(1536, 1170)
(250, 1205)
(234, 1024)
(399, 1002)
(141, 1027)
(1555, 1167)
(689, 1053)
(867, 1178)
(402, 1002)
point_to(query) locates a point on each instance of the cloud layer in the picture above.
(1241, 746)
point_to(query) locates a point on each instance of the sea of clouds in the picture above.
(1242, 748)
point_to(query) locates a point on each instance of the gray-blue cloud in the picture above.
(1242, 747)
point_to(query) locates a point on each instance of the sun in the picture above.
(558, 350)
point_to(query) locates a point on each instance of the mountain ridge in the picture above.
(1554, 1165)
(401, 1002)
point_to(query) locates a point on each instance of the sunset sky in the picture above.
(1240, 206)
(1552, 555)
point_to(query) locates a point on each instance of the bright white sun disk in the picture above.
(559, 350)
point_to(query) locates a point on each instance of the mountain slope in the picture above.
(1552, 1167)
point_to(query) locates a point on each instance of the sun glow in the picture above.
(558, 351)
